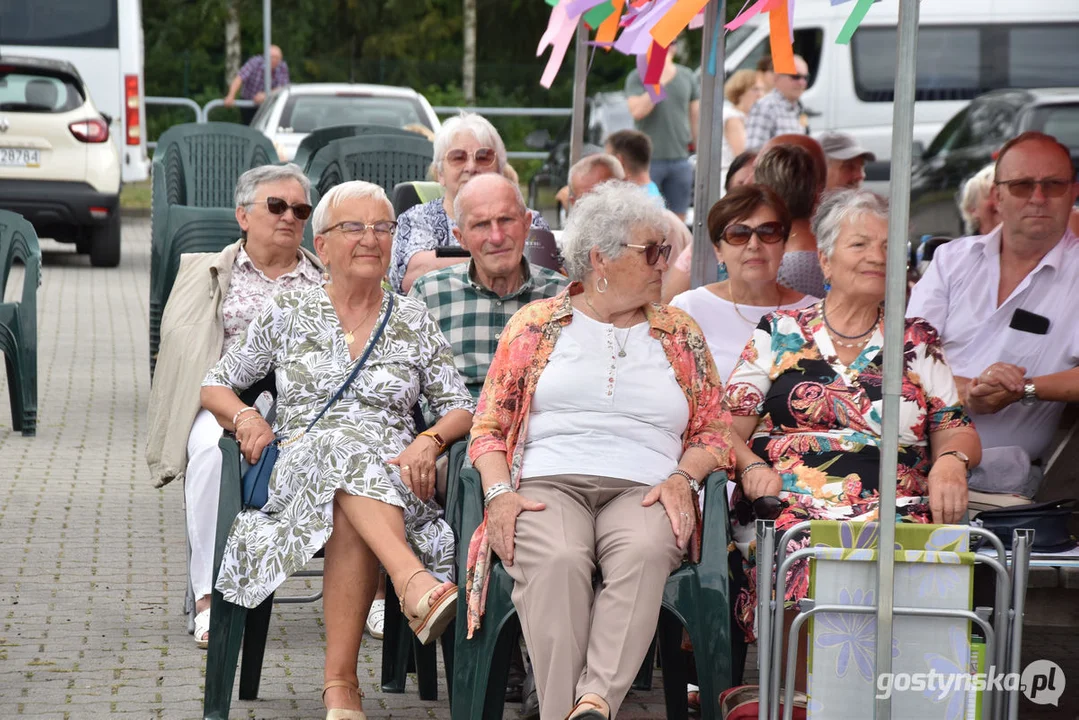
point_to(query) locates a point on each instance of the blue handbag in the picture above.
(256, 480)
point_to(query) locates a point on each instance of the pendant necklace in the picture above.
(349, 337)
(622, 345)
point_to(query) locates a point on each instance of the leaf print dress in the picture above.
(297, 334)
(819, 426)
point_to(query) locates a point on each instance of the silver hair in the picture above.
(839, 206)
(476, 125)
(604, 219)
(972, 192)
(351, 190)
(248, 184)
(458, 206)
(586, 164)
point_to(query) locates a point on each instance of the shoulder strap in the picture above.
(359, 365)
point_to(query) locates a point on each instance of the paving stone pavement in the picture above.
(92, 576)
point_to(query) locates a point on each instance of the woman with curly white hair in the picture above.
(465, 146)
(600, 416)
(976, 203)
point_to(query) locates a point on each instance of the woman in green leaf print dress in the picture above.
(360, 482)
(807, 397)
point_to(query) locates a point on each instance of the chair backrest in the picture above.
(18, 242)
(409, 194)
(385, 160)
(318, 139)
(541, 249)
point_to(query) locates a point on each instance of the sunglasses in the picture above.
(766, 507)
(796, 77)
(277, 206)
(1024, 187)
(353, 229)
(483, 157)
(769, 233)
(653, 252)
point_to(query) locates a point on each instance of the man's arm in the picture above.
(640, 106)
(694, 120)
(424, 262)
(1058, 387)
(237, 83)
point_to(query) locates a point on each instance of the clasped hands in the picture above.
(995, 388)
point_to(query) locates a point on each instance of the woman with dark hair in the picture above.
(740, 171)
(749, 228)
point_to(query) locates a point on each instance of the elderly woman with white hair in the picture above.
(806, 394)
(359, 481)
(976, 203)
(465, 146)
(601, 414)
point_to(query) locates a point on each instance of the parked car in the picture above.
(57, 166)
(969, 141)
(294, 111)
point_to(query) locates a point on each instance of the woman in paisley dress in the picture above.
(360, 482)
(806, 394)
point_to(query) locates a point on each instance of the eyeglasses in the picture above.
(483, 157)
(769, 233)
(354, 229)
(1024, 187)
(653, 252)
(766, 507)
(797, 77)
(277, 206)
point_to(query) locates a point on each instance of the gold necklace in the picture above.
(350, 338)
(622, 345)
(734, 302)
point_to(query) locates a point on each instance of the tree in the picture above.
(468, 67)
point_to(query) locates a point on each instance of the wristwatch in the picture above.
(437, 438)
(694, 484)
(960, 455)
(1030, 393)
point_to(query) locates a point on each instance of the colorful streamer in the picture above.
(780, 38)
(853, 21)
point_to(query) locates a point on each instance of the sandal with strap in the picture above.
(430, 620)
(341, 713)
(202, 629)
(594, 714)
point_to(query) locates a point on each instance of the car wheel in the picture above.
(105, 239)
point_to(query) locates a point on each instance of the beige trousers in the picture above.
(584, 638)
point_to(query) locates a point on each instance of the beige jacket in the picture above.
(192, 335)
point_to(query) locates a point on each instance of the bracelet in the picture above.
(496, 490)
(754, 466)
(247, 420)
(240, 412)
(694, 484)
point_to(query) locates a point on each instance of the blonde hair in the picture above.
(738, 84)
(971, 194)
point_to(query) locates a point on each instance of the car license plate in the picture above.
(20, 157)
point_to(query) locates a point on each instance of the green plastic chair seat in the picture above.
(318, 139)
(18, 320)
(696, 597)
(385, 160)
(409, 194)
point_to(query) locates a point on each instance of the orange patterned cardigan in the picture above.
(501, 420)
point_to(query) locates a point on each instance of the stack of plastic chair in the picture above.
(696, 598)
(18, 320)
(318, 139)
(383, 159)
(196, 165)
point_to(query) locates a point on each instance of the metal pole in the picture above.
(894, 304)
(580, 83)
(708, 184)
(267, 72)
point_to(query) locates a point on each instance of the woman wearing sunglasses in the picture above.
(806, 394)
(465, 146)
(213, 300)
(749, 228)
(607, 407)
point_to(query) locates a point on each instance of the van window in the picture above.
(807, 43)
(1060, 121)
(65, 23)
(962, 62)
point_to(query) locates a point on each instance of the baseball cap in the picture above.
(841, 146)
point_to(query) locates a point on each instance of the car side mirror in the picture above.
(539, 139)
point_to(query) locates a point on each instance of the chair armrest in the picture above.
(230, 502)
(717, 525)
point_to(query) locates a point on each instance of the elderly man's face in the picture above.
(263, 227)
(846, 173)
(494, 230)
(583, 184)
(1039, 216)
(792, 86)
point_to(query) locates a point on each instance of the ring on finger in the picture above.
(406, 468)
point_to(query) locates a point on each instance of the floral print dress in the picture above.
(820, 427)
(298, 334)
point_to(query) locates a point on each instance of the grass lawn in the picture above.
(135, 196)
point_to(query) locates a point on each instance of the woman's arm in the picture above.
(947, 481)
(734, 129)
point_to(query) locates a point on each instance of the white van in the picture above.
(965, 48)
(103, 40)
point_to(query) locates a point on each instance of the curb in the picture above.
(134, 212)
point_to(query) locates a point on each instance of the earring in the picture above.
(326, 274)
(601, 285)
(827, 285)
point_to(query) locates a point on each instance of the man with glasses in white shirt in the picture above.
(1004, 305)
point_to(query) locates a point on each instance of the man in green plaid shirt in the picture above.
(473, 300)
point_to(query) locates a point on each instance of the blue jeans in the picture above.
(675, 181)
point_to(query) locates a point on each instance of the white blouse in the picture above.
(596, 412)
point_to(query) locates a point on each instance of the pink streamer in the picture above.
(558, 35)
(749, 13)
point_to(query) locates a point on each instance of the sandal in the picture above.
(429, 621)
(202, 629)
(693, 698)
(340, 713)
(594, 714)
(376, 619)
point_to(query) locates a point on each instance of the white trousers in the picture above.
(201, 483)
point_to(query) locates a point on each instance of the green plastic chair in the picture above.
(318, 139)
(408, 194)
(385, 160)
(18, 320)
(697, 598)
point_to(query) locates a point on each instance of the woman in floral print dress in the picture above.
(360, 482)
(807, 396)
